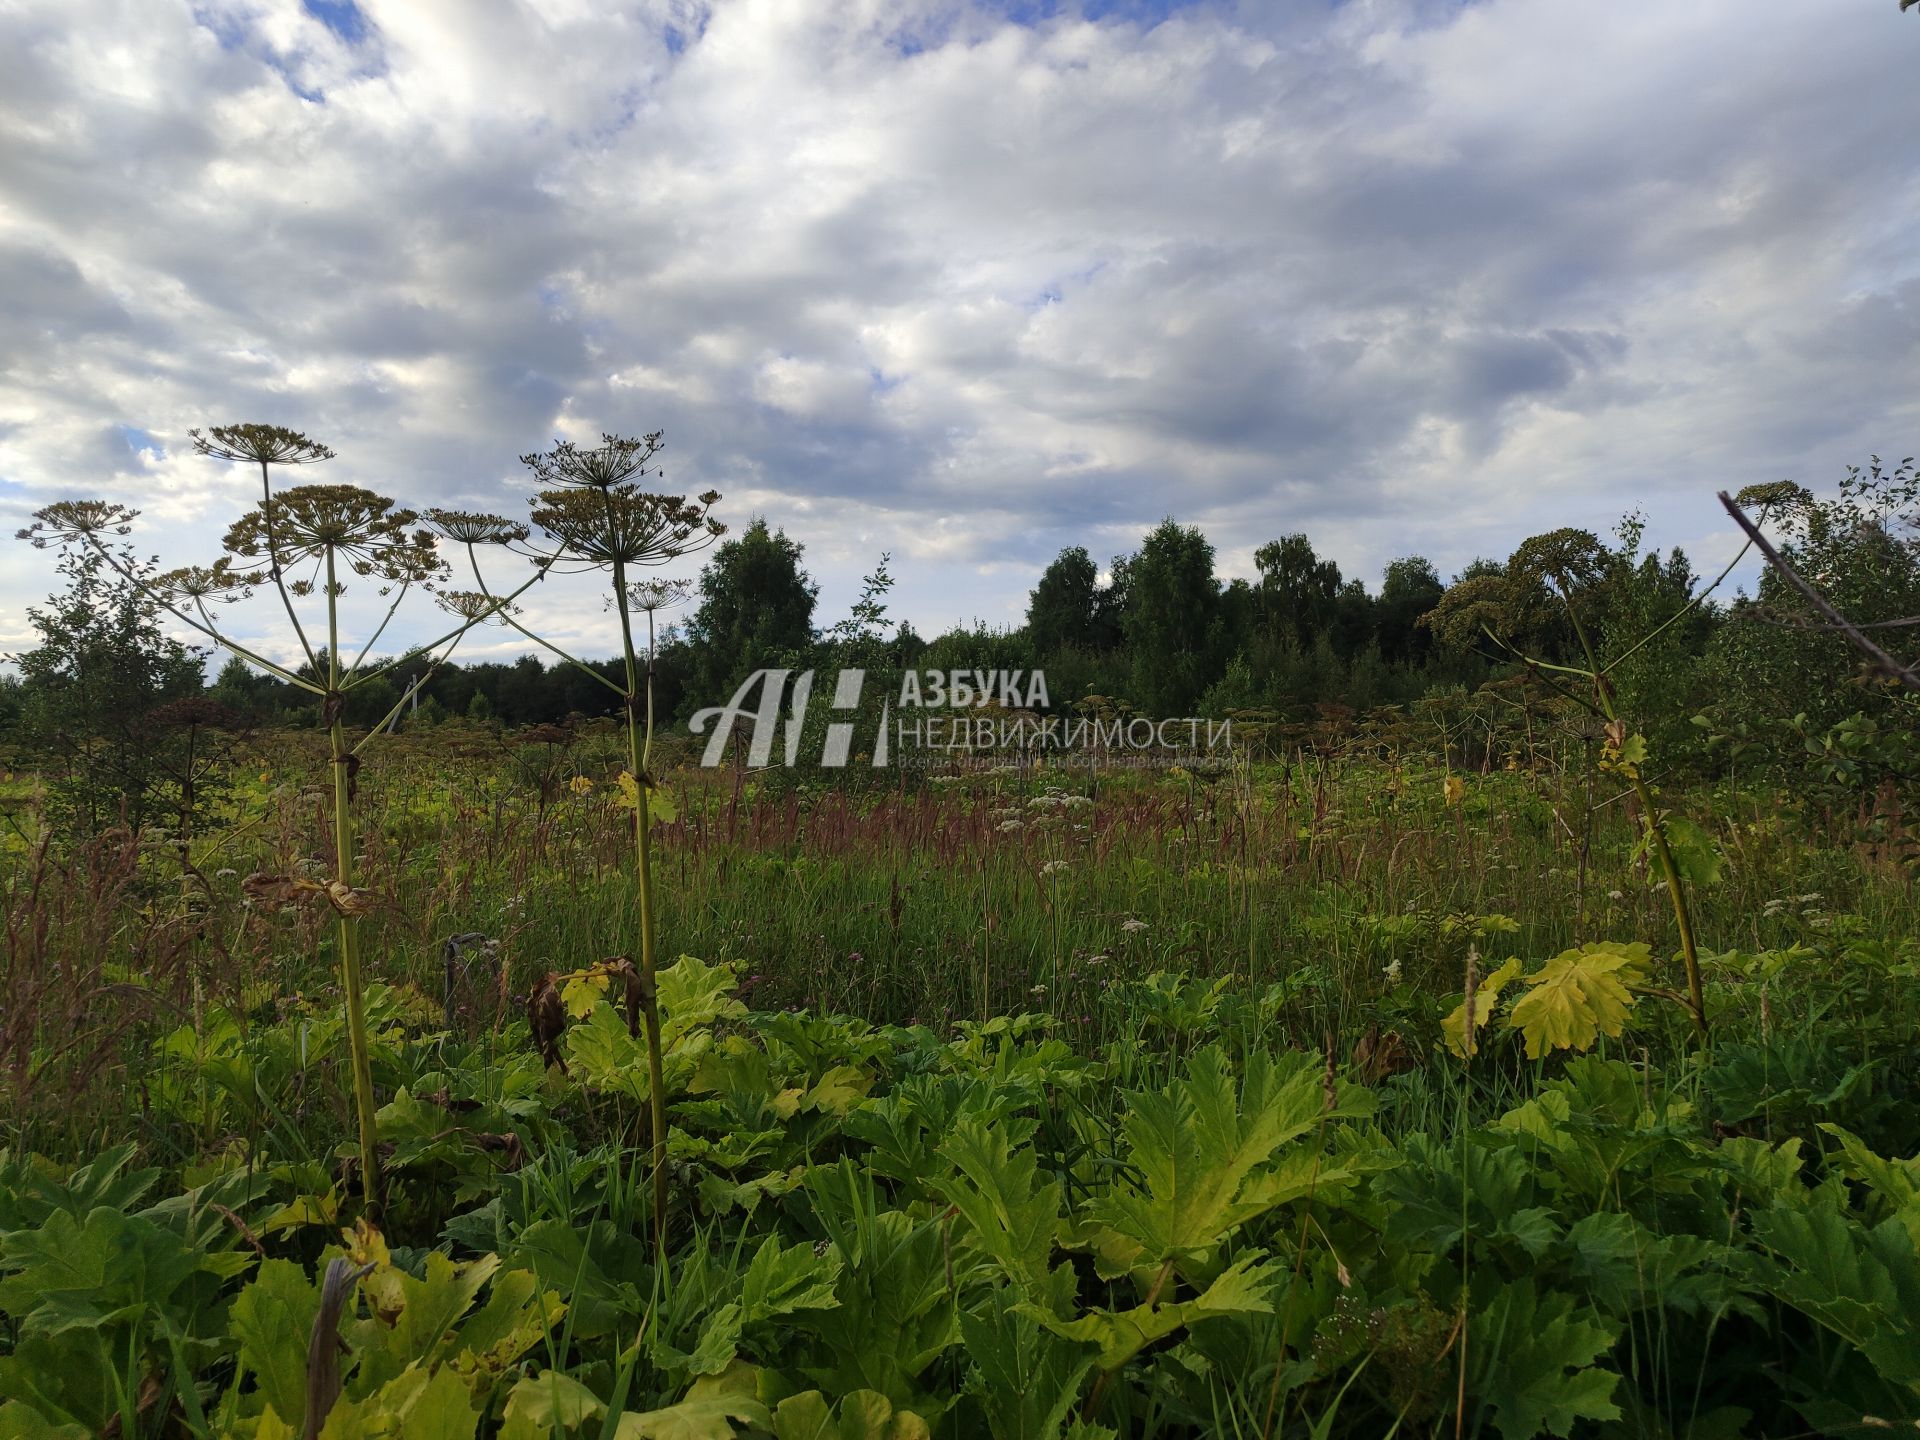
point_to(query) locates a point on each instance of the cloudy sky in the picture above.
(966, 282)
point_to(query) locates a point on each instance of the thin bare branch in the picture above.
(1882, 661)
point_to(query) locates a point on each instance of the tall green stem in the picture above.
(348, 925)
(1656, 837)
(639, 750)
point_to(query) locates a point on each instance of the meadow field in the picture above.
(1005, 1101)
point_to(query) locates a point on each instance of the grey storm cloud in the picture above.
(945, 279)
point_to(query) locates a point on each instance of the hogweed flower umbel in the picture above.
(326, 529)
(321, 522)
(616, 460)
(259, 445)
(624, 526)
(475, 527)
(76, 520)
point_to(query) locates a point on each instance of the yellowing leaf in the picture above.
(347, 900)
(1578, 996)
(660, 806)
(707, 1413)
(583, 992)
(1453, 789)
(839, 1090)
(864, 1415)
(1485, 997)
(629, 796)
(541, 1404)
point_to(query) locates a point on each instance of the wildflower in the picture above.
(651, 595)
(1133, 926)
(580, 785)
(201, 583)
(473, 527)
(259, 445)
(1392, 972)
(1053, 867)
(1009, 825)
(625, 525)
(616, 460)
(1615, 895)
(472, 604)
(308, 522)
(77, 520)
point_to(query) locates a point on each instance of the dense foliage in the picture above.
(1530, 1058)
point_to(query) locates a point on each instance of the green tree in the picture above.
(90, 688)
(756, 608)
(1410, 588)
(1173, 601)
(1063, 609)
(1860, 548)
(861, 638)
(1299, 592)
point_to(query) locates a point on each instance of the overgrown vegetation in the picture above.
(1530, 1058)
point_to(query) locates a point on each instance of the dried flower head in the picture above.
(473, 527)
(76, 520)
(472, 604)
(219, 581)
(651, 595)
(308, 521)
(625, 525)
(616, 460)
(259, 445)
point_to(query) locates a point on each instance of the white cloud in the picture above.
(1405, 274)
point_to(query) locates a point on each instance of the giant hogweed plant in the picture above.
(1678, 849)
(300, 542)
(593, 514)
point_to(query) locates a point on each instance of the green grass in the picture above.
(1653, 1239)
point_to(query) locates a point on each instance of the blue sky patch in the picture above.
(141, 441)
(342, 17)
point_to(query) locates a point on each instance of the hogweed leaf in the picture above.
(1486, 995)
(272, 1319)
(1008, 1217)
(1695, 855)
(862, 1415)
(712, 1404)
(1196, 1143)
(1579, 995)
(1240, 1289)
(552, 1401)
(1531, 1359)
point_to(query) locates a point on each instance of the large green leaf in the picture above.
(709, 1411)
(1197, 1143)
(272, 1321)
(1530, 1359)
(1578, 996)
(1009, 1218)
(1026, 1378)
(1240, 1289)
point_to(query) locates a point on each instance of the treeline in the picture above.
(1156, 630)
(1160, 632)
